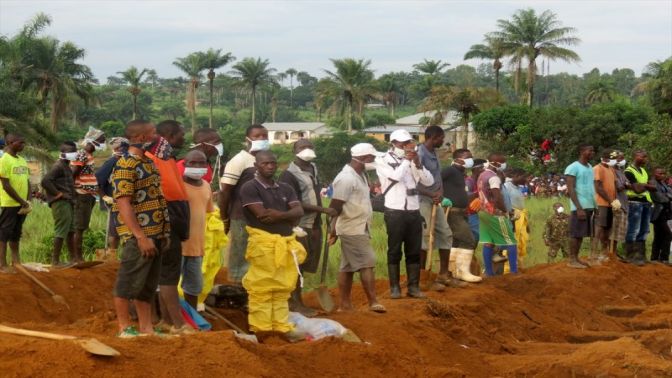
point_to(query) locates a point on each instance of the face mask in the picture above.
(560, 210)
(501, 167)
(71, 156)
(468, 163)
(220, 149)
(2, 152)
(195, 173)
(306, 154)
(259, 145)
(370, 166)
(621, 163)
(99, 146)
(399, 152)
(612, 162)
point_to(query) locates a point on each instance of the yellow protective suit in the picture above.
(213, 258)
(271, 278)
(522, 237)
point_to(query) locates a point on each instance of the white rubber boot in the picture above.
(462, 265)
(452, 261)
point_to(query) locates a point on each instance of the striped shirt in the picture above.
(239, 170)
(85, 181)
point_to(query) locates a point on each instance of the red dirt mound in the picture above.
(611, 320)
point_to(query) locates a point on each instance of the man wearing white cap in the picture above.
(352, 203)
(400, 172)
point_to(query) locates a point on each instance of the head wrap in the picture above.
(91, 135)
(118, 142)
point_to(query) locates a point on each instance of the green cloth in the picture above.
(16, 170)
(63, 213)
(496, 230)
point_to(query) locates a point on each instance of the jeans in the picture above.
(639, 215)
(403, 228)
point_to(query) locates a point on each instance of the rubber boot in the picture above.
(463, 264)
(639, 253)
(296, 304)
(413, 274)
(393, 272)
(629, 251)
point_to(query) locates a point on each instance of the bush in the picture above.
(333, 153)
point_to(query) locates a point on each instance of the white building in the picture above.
(290, 132)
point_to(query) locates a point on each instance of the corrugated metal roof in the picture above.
(295, 126)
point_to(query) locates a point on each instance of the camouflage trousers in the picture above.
(554, 248)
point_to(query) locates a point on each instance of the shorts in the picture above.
(604, 217)
(138, 276)
(11, 224)
(356, 253)
(84, 204)
(171, 261)
(63, 213)
(443, 236)
(462, 235)
(237, 265)
(313, 245)
(620, 225)
(579, 229)
(192, 275)
(495, 229)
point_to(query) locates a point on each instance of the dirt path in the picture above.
(612, 320)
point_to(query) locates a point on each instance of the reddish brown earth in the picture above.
(550, 321)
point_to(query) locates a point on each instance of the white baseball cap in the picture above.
(363, 149)
(400, 136)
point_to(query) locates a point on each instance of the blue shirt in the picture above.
(585, 188)
(430, 161)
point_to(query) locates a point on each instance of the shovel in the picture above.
(426, 276)
(57, 298)
(323, 296)
(90, 345)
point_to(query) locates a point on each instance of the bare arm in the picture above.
(223, 201)
(498, 199)
(571, 191)
(271, 216)
(12, 193)
(127, 214)
(599, 189)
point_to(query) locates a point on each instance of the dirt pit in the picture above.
(612, 320)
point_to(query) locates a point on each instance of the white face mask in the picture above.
(71, 156)
(100, 146)
(621, 163)
(220, 149)
(560, 210)
(612, 162)
(500, 168)
(468, 163)
(306, 154)
(259, 145)
(370, 166)
(399, 152)
(195, 173)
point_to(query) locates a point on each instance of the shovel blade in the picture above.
(326, 302)
(94, 346)
(426, 279)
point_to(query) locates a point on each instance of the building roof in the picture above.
(294, 126)
(415, 119)
(413, 129)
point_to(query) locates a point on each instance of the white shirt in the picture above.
(407, 176)
(353, 189)
(235, 167)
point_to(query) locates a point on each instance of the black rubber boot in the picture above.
(413, 274)
(393, 271)
(629, 252)
(639, 253)
(296, 304)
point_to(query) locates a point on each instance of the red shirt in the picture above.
(207, 177)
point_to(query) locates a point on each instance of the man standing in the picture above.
(86, 186)
(620, 222)
(639, 212)
(119, 147)
(474, 201)
(455, 189)
(607, 203)
(209, 142)
(14, 175)
(352, 203)
(495, 226)
(400, 172)
(239, 170)
(141, 216)
(662, 213)
(59, 187)
(431, 196)
(170, 136)
(581, 190)
(301, 175)
(271, 209)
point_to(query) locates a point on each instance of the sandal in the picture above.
(378, 308)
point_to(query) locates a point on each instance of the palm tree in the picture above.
(192, 66)
(528, 35)
(281, 76)
(212, 60)
(291, 72)
(658, 85)
(152, 77)
(600, 91)
(132, 77)
(252, 73)
(349, 85)
(389, 90)
(492, 49)
(431, 69)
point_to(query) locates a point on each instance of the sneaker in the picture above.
(130, 332)
(184, 330)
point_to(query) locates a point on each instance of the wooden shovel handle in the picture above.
(26, 332)
(25, 271)
(430, 246)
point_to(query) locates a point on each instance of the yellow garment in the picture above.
(215, 243)
(522, 236)
(271, 278)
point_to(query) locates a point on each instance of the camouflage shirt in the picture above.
(557, 229)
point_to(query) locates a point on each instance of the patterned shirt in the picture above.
(85, 182)
(137, 177)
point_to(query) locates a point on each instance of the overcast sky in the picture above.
(305, 34)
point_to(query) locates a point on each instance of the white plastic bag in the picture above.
(316, 328)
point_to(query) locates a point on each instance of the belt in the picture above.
(457, 210)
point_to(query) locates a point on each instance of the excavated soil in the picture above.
(551, 321)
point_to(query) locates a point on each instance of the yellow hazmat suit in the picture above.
(271, 278)
(522, 236)
(215, 242)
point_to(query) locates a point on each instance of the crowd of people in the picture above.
(158, 207)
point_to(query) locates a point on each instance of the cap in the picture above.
(400, 136)
(363, 149)
(614, 154)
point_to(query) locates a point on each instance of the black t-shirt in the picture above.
(236, 207)
(454, 187)
(277, 196)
